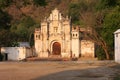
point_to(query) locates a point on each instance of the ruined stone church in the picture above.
(57, 36)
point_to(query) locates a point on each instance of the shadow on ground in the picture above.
(98, 73)
(117, 74)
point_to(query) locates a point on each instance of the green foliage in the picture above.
(23, 28)
(77, 11)
(14, 44)
(104, 4)
(11, 39)
(74, 11)
(110, 25)
(27, 22)
(26, 2)
(22, 32)
(31, 41)
(100, 53)
(5, 3)
(6, 37)
(40, 2)
(5, 20)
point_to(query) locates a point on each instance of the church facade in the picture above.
(57, 36)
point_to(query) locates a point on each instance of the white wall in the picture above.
(29, 52)
(75, 48)
(75, 44)
(16, 53)
(117, 47)
(12, 52)
(38, 46)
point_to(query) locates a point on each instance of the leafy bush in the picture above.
(100, 53)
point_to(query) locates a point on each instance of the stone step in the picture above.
(55, 56)
(87, 58)
(59, 58)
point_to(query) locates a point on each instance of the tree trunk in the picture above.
(104, 46)
(99, 40)
(107, 54)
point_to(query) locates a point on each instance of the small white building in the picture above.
(117, 45)
(16, 53)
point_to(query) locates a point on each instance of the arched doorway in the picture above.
(56, 48)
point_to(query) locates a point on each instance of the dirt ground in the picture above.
(59, 70)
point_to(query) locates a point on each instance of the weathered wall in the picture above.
(87, 49)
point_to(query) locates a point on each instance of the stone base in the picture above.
(43, 55)
(65, 55)
(117, 61)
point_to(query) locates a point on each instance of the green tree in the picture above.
(110, 25)
(105, 4)
(5, 3)
(75, 10)
(24, 28)
(40, 2)
(109, 22)
(5, 20)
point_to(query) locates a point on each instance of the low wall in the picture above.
(87, 49)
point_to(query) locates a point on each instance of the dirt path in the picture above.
(58, 70)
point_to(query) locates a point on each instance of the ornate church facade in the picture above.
(57, 36)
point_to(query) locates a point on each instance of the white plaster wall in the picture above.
(22, 53)
(75, 47)
(15, 53)
(75, 44)
(87, 49)
(117, 48)
(29, 52)
(38, 46)
(67, 46)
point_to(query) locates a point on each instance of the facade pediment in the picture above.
(55, 15)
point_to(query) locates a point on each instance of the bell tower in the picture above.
(75, 42)
(37, 38)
